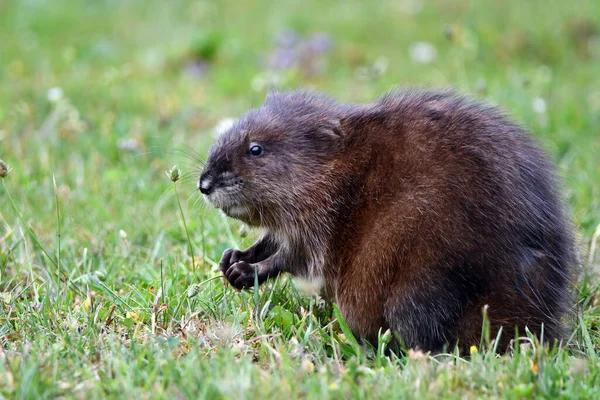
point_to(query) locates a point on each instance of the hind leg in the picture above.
(426, 313)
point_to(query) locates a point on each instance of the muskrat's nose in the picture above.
(205, 184)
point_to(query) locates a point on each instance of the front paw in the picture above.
(241, 275)
(229, 257)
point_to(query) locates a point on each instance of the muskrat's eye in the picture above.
(255, 150)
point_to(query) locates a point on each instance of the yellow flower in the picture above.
(87, 304)
(133, 316)
(535, 367)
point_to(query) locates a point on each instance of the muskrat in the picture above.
(415, 211)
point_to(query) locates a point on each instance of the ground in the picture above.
(100, 295)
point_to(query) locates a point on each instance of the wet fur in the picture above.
(416, 211)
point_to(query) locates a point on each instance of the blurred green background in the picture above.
(102, 97)
(166, 73)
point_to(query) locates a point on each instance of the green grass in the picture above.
(94, 255)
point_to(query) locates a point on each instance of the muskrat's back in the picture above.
(460, 211)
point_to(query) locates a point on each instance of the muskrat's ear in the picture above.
(332, 127)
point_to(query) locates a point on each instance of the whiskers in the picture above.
(193, 174)
(189, 158)
(193, 162)
(196, 200)
(188, 153)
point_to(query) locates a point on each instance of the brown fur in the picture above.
(416, 210)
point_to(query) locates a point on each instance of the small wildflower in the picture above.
(4, 169)
(174, 173)
(380, 65)
(320, 42)
(196, 68)
(535, 367)
(122, 234)
(128, 144)
(284, 59)
(296, 349)
(89, 302)
(539, 105)
(224, 334)
(473, 350)
(6, 297)
(193, 290)
(422, 52)
(307, 365)
(54, 94)
(132, 315)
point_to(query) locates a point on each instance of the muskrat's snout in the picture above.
(205, 183)
(221, 188)
(215, 181)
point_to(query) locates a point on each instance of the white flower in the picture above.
(122, 234)
(307, 365)
(54, 94)
(539, 105)
(128, 144)
(223, 126)
(422, 52)
(381, 65)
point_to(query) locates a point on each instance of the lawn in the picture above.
(100, 295)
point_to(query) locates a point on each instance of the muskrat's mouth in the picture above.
(236, 211)
(231, 207)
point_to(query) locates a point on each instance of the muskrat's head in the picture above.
(276, 160)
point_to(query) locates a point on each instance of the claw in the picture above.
(241, 275)
(225, 262)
